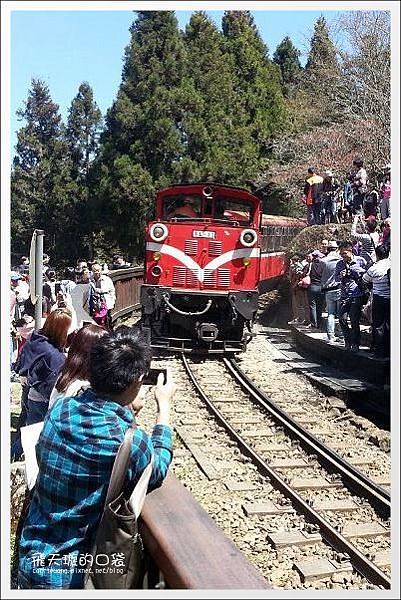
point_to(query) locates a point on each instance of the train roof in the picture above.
(279, 220)
(205, 183)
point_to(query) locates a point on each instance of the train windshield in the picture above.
(183, 206)
(233, 209)
(193, 206)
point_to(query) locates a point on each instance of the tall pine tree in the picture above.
(286, 57)
(83, 129)
(257, 78)
(321, 74)
(143, 142)
(218, 140)
(42, 190)
(322, 54)
(82, 135)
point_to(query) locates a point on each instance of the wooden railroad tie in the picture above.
(199, 456)
(283, 539)
(320, 568)
(265, 507)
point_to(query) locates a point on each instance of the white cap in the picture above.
(328, 173)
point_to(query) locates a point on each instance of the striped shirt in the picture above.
(377, 274)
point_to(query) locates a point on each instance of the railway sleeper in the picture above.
(310, 570)
(265, 507)
(284, 539)
(240, 486)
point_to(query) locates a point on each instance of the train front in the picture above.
(202, 269)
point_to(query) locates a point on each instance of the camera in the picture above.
(152, 376)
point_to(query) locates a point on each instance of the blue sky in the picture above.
(65, 48)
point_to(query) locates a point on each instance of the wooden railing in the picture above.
(128, 285)
(186, 547)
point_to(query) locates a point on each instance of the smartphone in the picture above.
(152, 376)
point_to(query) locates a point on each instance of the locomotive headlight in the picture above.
(156, 271)
(246, 262)
(248, 238)
(157, 256)
(158, 232)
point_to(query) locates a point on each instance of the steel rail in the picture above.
(329, 533)
(354, 479)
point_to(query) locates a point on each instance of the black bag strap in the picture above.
(120, 466)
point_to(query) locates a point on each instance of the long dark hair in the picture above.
(76, 365)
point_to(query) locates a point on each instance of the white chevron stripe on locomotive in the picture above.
(211, 266)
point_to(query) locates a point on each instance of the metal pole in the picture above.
(38, 278)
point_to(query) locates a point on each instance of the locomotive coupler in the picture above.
(207, 332)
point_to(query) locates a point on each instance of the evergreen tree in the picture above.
(320, 76)
(286, 57)
(143, 143)
(257, 78)
(82, 135)
(83, 129)
(322, 53)
(42, 191)
(218, 141)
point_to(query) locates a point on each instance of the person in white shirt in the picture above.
(359, 185)
(74, 375)
(379, 276)
(21, 292)
(369, 238)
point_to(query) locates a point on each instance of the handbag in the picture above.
(118, 553)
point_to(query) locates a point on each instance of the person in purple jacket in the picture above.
(349, 272)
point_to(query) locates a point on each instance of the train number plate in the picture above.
(205, 234)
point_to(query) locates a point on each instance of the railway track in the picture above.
(265, 433)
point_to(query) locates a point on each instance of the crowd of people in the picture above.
(351, 280)
(329, 200)
(86, 290)
(84, 391)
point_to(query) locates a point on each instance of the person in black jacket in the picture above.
(41, 360)
(315, 294)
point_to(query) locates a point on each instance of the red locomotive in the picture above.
(206, 254)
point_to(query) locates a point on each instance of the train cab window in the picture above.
(183, 206)
(232, 209)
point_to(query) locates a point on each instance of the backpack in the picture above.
(97, 303)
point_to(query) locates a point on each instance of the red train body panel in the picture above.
(207, 255)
